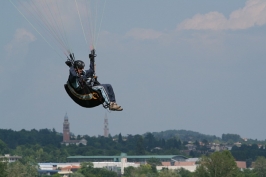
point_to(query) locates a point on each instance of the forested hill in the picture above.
(185, 135)
(42, 137)
(45, 145)
(51, 137)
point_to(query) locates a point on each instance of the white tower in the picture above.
(106, 129)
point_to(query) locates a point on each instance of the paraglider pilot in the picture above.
(84, 81)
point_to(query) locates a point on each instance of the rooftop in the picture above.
(129, 157)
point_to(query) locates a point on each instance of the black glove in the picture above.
(92, 55)
(72, 56)
(68, 63)
(70, 60)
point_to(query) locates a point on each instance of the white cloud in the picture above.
(254, 13)
(143, 34)
(22, 38)
(16, 50)
(212, 20)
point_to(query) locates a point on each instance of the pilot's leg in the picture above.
(109, 96)
(109, 89)
(103, 92)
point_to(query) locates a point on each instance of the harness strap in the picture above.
(89, 96)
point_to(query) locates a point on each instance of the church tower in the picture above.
(66, 130)
(106, 129)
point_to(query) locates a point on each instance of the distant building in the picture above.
(141, 159)
(9, 158)
(76, 142)
(168, 161)
(106, 129)
(245, 139)
(66, 129)
(191, 147)
(241, 164)
(238, 144)
(64, 169)
(66, 134)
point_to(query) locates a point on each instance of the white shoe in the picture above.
(115, 107)
(120, 109)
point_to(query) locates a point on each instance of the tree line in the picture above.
(44, 145)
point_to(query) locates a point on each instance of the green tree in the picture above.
(249, 162)
(128, 171)
(139, 146)
(76, 174)
(218, 164)
(85, 168)
(142, 171)
(205, 142)
(184, 173)
(120, 139)
(3, 147)
(149, 141)
(260, 166)
(232, 137)
(88, 171)
(3, 168)
(249, 173)
(154, 161)
(168, 173)
(17, 169)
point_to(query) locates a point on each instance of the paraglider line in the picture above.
(34, 27)
(81, 23)
(100, 24)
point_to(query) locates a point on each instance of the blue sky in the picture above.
(193, 65)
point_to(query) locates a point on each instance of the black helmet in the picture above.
(79, 64)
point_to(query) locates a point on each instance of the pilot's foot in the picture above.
(115, 107)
